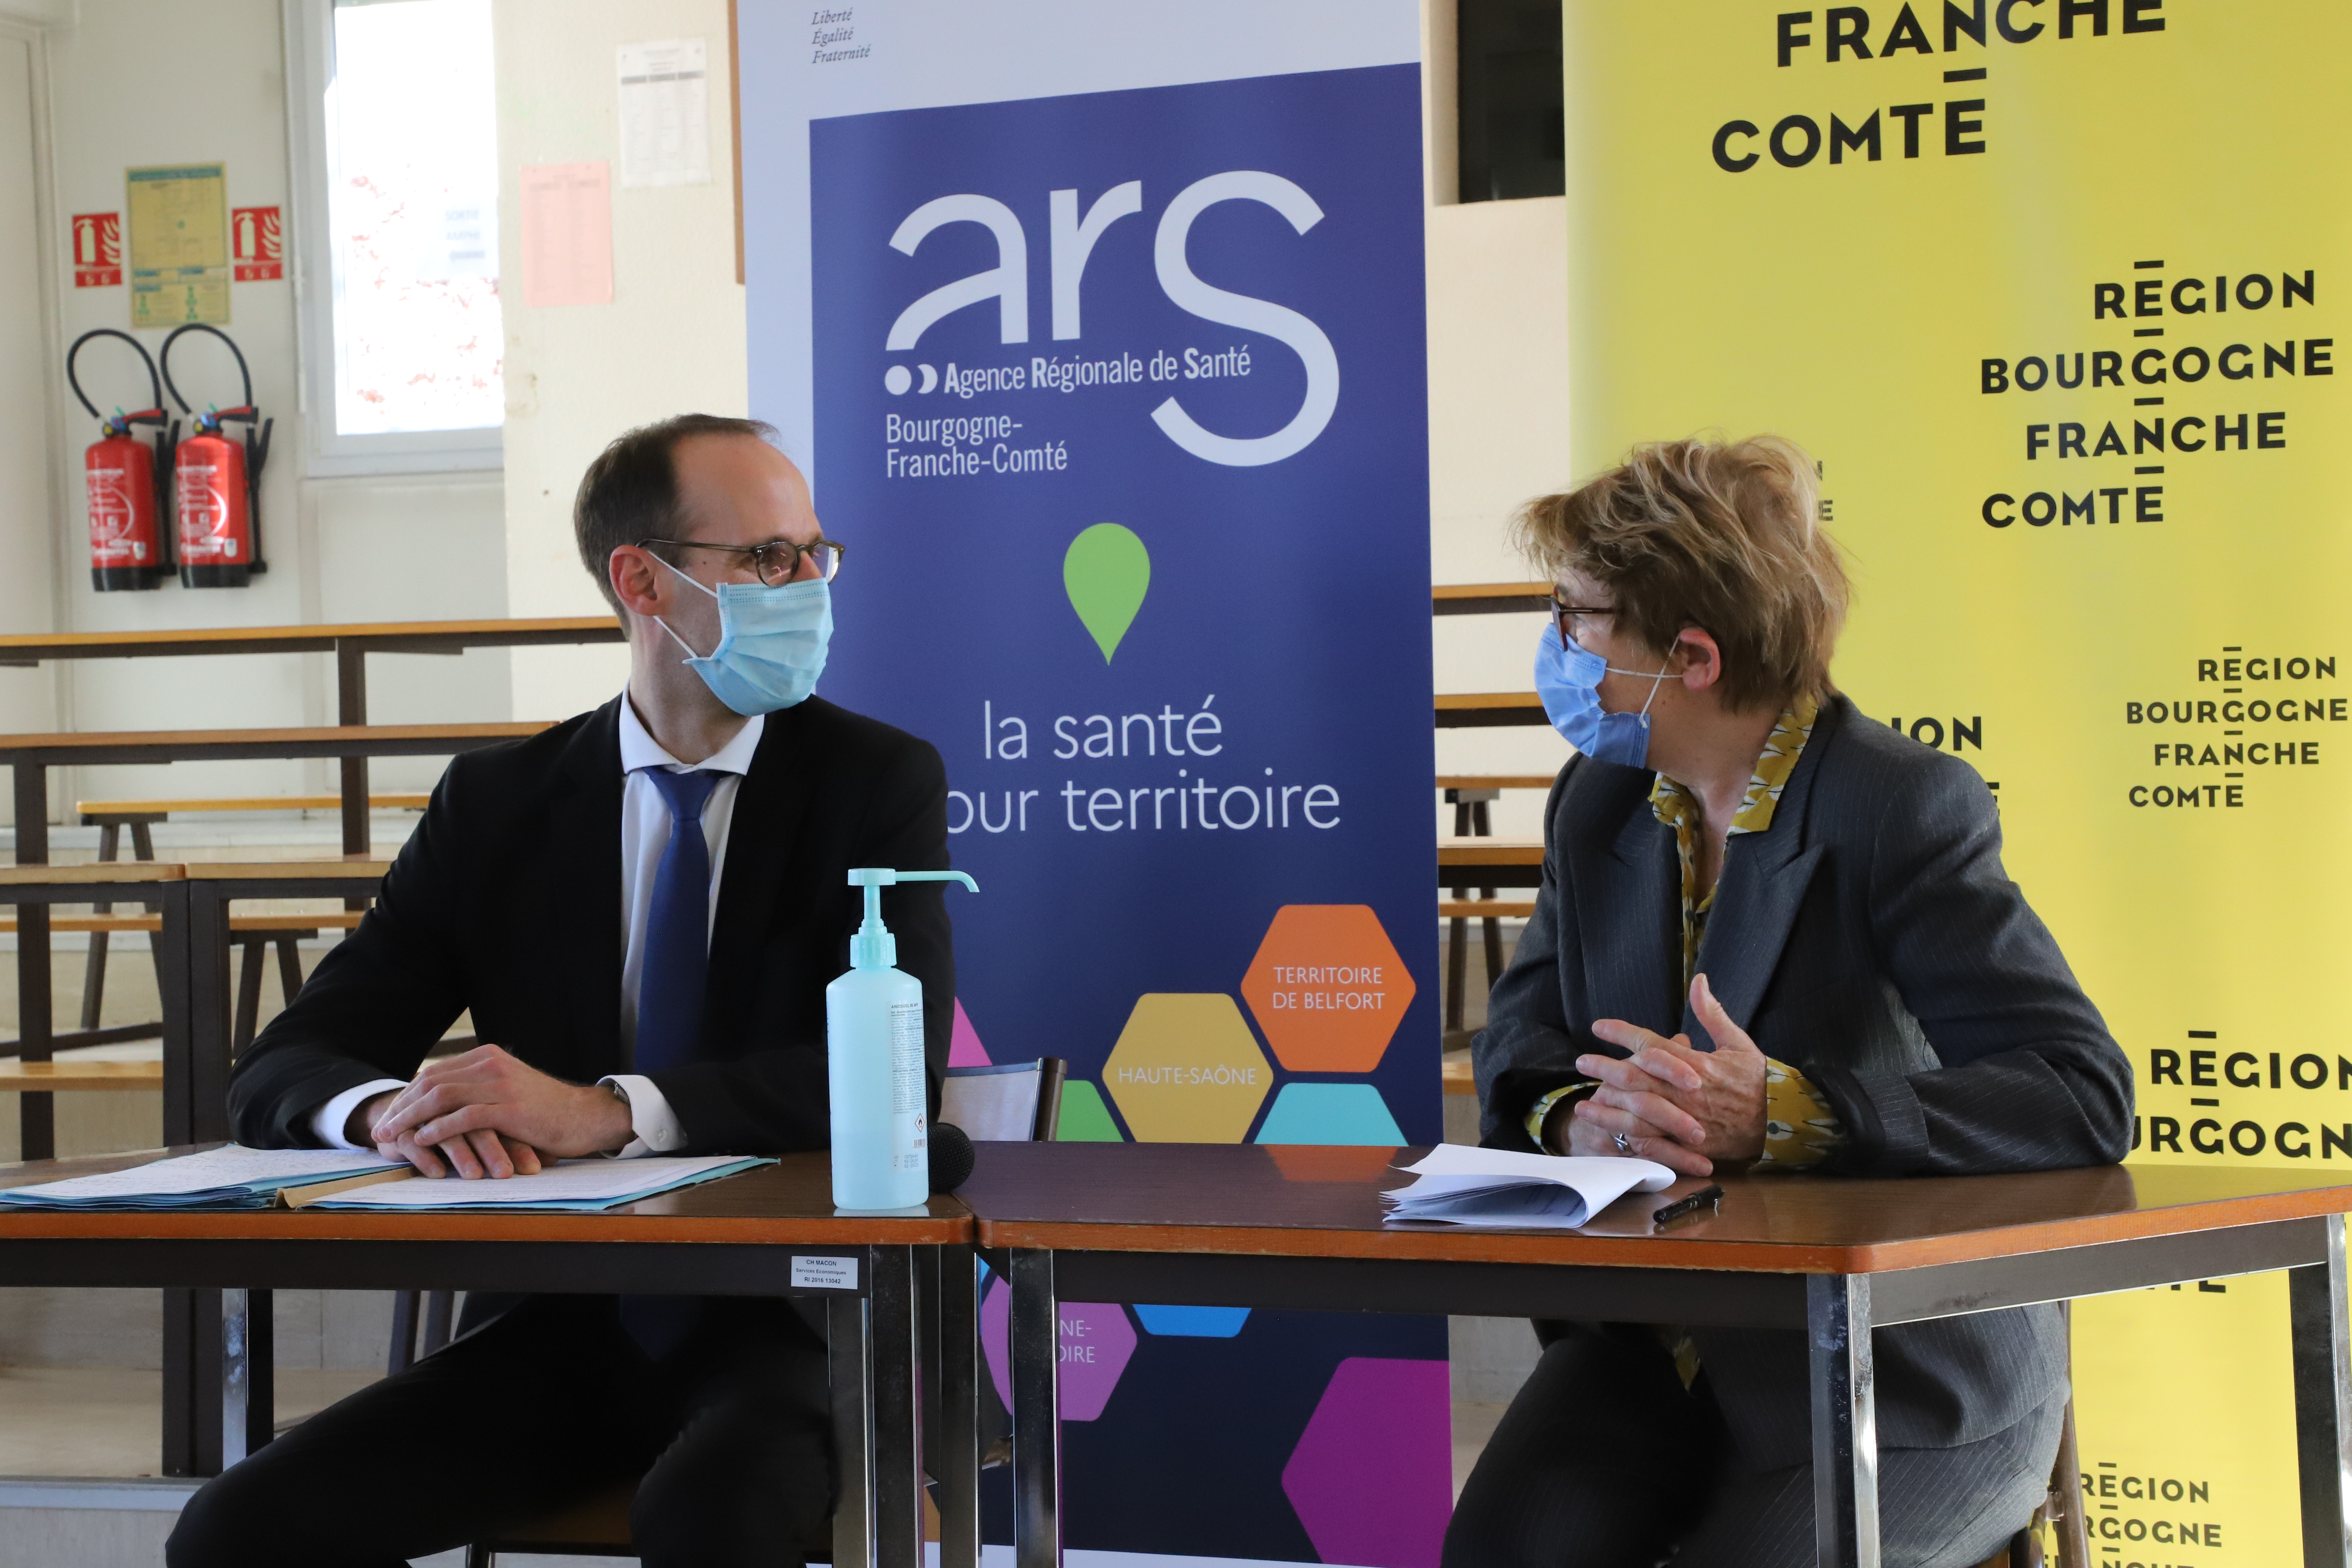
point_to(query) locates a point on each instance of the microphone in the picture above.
(953, 1157)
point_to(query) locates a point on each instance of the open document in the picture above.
(574, 1186)
(1462, 1186)
(230, 1177)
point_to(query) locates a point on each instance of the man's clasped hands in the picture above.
(487, 1113)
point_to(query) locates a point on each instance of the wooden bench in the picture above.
(31, 756)
(252, 936)
(1470, 794)
(31, 890)
(136, 814)
(51, 1077)
(112, 816)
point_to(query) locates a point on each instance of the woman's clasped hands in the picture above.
(1684, 1107)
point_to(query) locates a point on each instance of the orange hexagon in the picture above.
(1186, 1070)
(1327, 988)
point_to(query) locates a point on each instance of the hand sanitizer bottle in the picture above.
(873, 1055)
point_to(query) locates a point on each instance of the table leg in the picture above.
(93, 969)
(248, 1354)
(1036, 1354)
(192, 1382)
(1845, 1421)
(36, 1114)
(351, 707)
(208, 1031)
(958, 1376)
(898, 1412)
(2323, 1401)
(850, 1337)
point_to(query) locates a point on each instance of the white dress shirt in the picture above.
(644, 834)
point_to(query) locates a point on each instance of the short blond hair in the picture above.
(1721, 535)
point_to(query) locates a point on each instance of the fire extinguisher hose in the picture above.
(154, 387)
(177, 333)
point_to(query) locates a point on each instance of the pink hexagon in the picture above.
(965, 1050)
(1372, 1477)
(1097, 1341)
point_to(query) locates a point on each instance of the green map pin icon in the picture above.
(1107, 572)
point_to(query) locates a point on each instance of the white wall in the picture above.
(577, 375)
(1498, 419)
(138, 82)
(28, 550)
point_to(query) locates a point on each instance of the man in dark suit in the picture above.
(641, 908)
(1770, 933)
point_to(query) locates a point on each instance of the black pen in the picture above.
(1682, 1208)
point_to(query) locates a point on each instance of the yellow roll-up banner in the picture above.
(2051, 288)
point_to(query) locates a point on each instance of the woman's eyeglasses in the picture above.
(1560, 612)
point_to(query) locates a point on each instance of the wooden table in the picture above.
(1490, 863)
(192, 950)
(1489, 709)
(739, 1237)
(1488, 598)
(350, 643)
(31, 757)
(1246, 1225)
(30, 891)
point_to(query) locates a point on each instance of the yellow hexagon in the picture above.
(1187, 1071)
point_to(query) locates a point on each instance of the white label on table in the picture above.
(824, 1273)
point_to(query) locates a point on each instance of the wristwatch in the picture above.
(621, 1095)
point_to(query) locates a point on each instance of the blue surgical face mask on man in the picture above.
(1568, 679)
(772, 643)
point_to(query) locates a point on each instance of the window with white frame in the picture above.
(403, 339)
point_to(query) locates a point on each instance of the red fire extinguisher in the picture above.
(128, 483)
(218, 482)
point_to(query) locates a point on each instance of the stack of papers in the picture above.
(237, 1178)
(1497, 1188)
(224, 1178)
(572, 1186)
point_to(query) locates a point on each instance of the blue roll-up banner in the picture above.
(1099, 331)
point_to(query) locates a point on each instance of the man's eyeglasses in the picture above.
(1560, 612)
(778, 560)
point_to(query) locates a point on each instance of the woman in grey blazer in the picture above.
(1771, 931)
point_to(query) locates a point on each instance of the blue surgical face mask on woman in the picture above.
(772, 643)
(1568, 679)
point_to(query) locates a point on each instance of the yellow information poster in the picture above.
(179, 245)
(2053, 290)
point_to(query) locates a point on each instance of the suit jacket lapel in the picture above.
(1627, 891)
(585, 825)
(1765, 876)
(769, 806)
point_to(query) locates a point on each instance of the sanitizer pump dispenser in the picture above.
(874, 1052)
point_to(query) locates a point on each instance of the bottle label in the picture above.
(909, 1102)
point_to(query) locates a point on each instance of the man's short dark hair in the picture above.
(630, 491)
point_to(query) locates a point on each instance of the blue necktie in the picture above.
(677, 929)
(669, 1000)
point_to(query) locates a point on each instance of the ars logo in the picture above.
(1070, 241)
